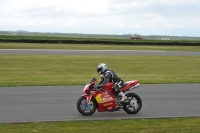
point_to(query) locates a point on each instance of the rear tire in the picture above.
(135, 104)
(85, 109)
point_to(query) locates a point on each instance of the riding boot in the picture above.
(123, 97)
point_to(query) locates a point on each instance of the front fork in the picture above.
(88, 98)
(87, 102)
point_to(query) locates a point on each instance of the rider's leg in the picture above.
(118, 92)
(123, 97)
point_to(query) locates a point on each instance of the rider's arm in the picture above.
(106, 78)
(102, 79)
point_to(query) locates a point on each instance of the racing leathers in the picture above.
(110, 76)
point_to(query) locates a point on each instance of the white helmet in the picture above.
(101, 68)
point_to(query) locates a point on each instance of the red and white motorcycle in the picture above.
(105, 99)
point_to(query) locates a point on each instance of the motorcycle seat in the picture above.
(124, 85)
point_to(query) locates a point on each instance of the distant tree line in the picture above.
(28, 39)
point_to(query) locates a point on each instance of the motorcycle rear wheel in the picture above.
(85, 109)
(136, 105)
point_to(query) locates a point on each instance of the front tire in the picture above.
(85, 109)
(135, 104)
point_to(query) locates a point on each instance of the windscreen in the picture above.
(92, 80)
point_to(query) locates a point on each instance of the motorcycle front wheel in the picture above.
(84, 108)
(135, 104)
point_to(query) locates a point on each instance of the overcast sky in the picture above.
(145, 17)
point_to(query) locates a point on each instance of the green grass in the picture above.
(45, 70)
(28, 70)
(95, 47)
(174, 125)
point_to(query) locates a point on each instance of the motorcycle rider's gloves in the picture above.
(99, 87)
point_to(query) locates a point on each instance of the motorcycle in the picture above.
(105, 99)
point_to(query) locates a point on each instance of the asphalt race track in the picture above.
(33, 104)
(53, 103)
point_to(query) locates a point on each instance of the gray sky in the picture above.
(145, 17)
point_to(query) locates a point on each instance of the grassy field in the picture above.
(95, 47)
(174, 125)
(45, 70)
(33, 70)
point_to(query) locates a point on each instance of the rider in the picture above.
(110, 76)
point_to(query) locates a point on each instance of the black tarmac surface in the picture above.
(34, 104)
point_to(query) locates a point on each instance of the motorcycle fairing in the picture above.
(105, 101)
(129, 85)
(103, 97)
